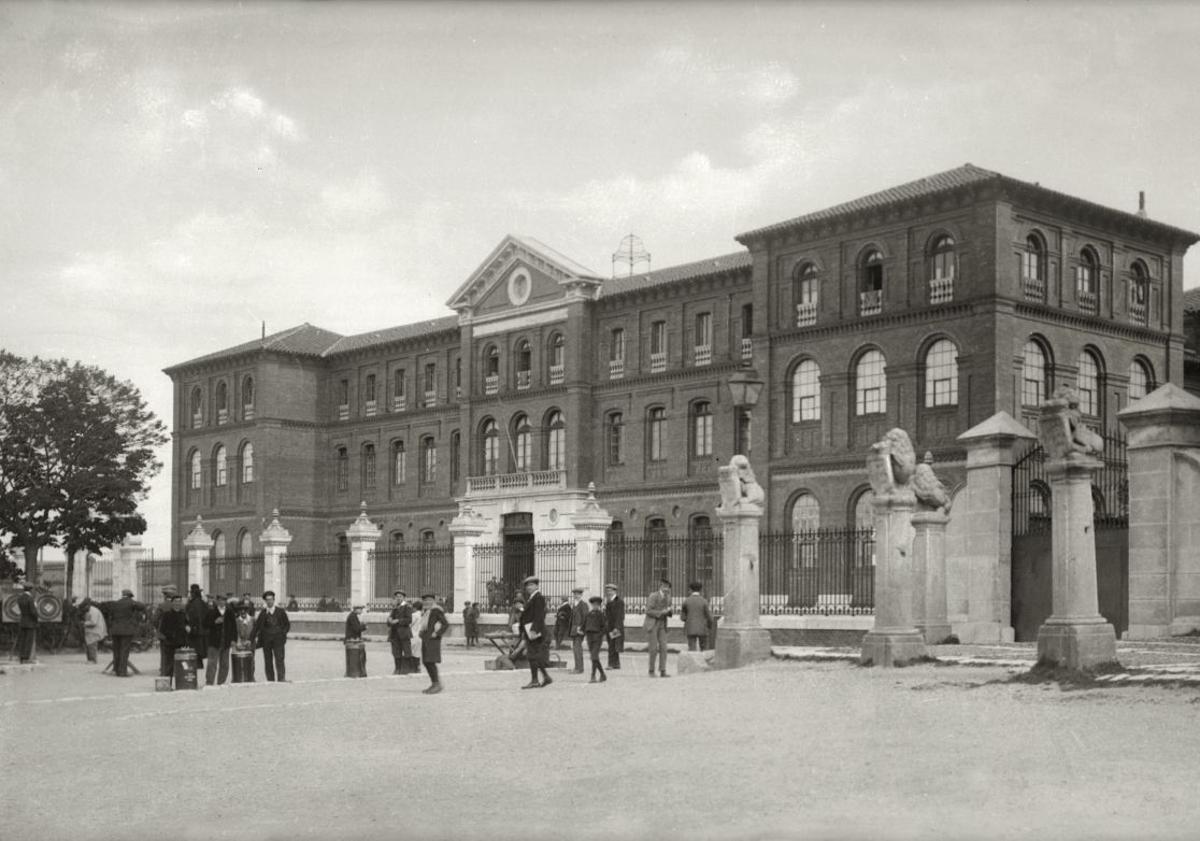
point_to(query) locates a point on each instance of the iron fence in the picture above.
(501, 567)
(322, 575)
(1031, 502)
(153, 575)
(236, 575)
(637, 564)
(428, 568)
(823, 571)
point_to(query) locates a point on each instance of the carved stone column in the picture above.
(275, 539)
(741, 639)
(198, 545)
(363, 535)
(466, 529)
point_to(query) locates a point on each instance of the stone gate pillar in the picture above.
(1164, 514)
(894, 638)
(275, 539)
(466, 529)
(591, 524)
(929, 568)
(741, 639)
(362, 535)
(979, 582)
(125, 562)
(198, 545)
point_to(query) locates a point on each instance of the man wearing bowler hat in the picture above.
(270, 631)
(125, 616)
(533, 633)
(400, 629)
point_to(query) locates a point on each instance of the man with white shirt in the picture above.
(270, 631)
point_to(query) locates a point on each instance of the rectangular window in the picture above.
(703, 436)
(430, 384)
(616, 434)
(658, 347)
(702, 351)
(429, 462)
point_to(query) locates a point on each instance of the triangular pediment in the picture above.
(522, 273)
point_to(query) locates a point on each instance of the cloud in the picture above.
(354, 201)
(770, 84)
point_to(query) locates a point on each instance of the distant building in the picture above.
(1191, 338)
(929, 306)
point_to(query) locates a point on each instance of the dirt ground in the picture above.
(781, 750)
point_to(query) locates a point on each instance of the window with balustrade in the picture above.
(399, 463)
(805, 290)
(430, 382)
(1139, 292)
(616, 353)
(870, 284)
(368, 465)
(491, 369)
(399, 390)
(458, 378)
(658, 347)
(1035, 374)
(197, 407)
(1033, 267)
(1141, 379)
(343, 469)
(943, 263)
(703, 339)
(870, 384)
(941, 374)
(220, 466)
(806, 392)
(248, 398)
(246, 457)
(747, 348)
(428, 460)
(197, 470)
(702, 429)
(343, 399)
(1087, 280)
(656, 429)
(1088, 383)
(615, 436)
(369, 404)
(489, 450)
(557, 371)
(222, 402)
(556, 441)
(522, 444)
(524, 364)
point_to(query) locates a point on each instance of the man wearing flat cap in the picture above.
(166, 666)
(433, 626)
(658, 611)
(533, 633)
(579, 612)
(614, 612)
(124, 618)
(400, 629)
(270, 631)
(197, 620)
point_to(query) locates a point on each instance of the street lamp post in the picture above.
(744, 389)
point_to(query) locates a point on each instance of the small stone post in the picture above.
(591, 524)
(198, 544)
(894, 639)
(465, 529)
(275, 539)
(1075, 636)
(363, 535)
(929, 567)
(741, 639)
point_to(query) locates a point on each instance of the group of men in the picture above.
(599, 620)
(431, 624)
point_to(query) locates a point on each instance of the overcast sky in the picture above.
(171, 175)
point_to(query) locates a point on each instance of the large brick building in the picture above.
(929, 306)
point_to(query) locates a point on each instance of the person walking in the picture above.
(125, 618)
(220, 634)
(658, 611)
(433, 625)
(270, 632)
(614, 612)
(533, 633)
(579, 611)
(28, 624)
(400, 630)
(697, 618)
(595, 627)
(94, 628)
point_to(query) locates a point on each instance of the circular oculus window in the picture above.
(519, 287)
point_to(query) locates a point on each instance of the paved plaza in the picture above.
(786, 749)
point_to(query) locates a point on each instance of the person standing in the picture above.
(658, 611)
(94, 628)
(355, 626)
(172, 634)
(270, 631)
(197, 620)
(433, 626)
(400, 629)
(595, 626)
(579, 611)
(125, 618)
(243, 643)
(467, 621)
(533, 633)
(474, 626)
(614, 612)
(165, 664)
(562, 622)
(28, 625)
(697, 618)
(219, 636)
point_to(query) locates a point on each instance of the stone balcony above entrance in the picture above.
(503, 484)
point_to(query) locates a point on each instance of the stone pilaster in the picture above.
(894, 639)
(466, 529)
(362, 535)
(591, 524)
(198, 545)
(979, 577)
(1164, 518)
(929, 573)
(275, 539)
(741, 638)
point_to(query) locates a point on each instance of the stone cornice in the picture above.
(1093, 324)
(667, 377)
(785, 468)
(939, 313)
(686, 287)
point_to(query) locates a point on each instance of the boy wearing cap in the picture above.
(433, 626)
(579, 611)
(533, 633)
(270, 631)
(614, 612)
(400, 629)
(595, 626)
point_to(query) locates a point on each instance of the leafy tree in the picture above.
(76, 456)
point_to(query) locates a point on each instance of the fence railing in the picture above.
(417, 570)
(236, 575)
(153, 575)
(500, 568)
(315, 576)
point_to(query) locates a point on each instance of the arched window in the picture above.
(805, 293)
(1087, 279)
(864, 510)
(247, 459)
(399, 463)
(806, 392)
(396, 542)
(1033, 261)
(1035, 382)
(218, 549)
(702, 552)
(656, 428)
(220, 466)
(942, 258)
(1141, 379)
(369, 388)
(1139, 291)
(1088, 384)
(702, 429)
(248, 397)
(941, 374)
(522, 444)
(428, 459)
(489, 436)
(222, 402)
(616, 438)
(245, 547)
(556, 441)
(870, 288)
(806, 513)
(524, 365)
(658, 551)
(197, 407)
(368, 465)
(343, 469)
(197, 470)
(455, 454)
(870, 384)
(557, 370)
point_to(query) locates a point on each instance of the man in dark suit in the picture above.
(658, 611)
(270, 631)
(400, 629)
(355, 627)
(579, 612)
(697, 618)
(219, 636)
(27, 629)
(533, 633)
(433, 626)
(172, 634)
(614, 611)
(196, 612)
(125, 617)
(562, 622)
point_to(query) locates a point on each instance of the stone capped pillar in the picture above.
(275, 539)
(929, 571)
(362, 535)
(198, 545)
(894, 639)
(125, 562)
(979, 578)
(1075, 636)
(591, 524)
(466, 529)
(741, 638)
(1164, 516)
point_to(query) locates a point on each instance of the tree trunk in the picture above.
(32, 573)
(69, 585)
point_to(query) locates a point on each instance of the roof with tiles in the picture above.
(1191, 300)
(393, 334)
(673, 274)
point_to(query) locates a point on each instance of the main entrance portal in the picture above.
(518, 549)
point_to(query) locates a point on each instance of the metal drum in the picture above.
(185, 669)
